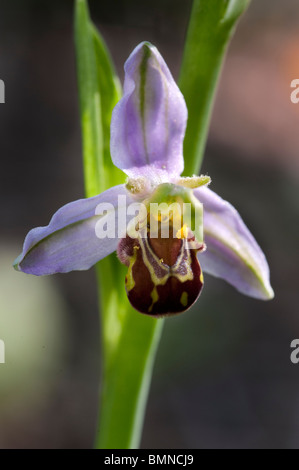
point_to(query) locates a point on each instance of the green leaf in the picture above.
(110, 93)
(99, 91)
(90, 101)
(211, 27)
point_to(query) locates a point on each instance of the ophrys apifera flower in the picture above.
(165, 273)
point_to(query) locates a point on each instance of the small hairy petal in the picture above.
(232, 252)
(148, 124)
(70, 242)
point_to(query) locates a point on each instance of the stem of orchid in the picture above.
(210, 29)
(129, 340)
(130, 344)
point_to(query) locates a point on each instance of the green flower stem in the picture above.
(130, 344)
(129, 340)
(211, 27)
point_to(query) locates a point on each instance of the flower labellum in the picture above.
(182, 227)
(164, 275)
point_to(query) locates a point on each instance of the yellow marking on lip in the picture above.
(174, 271)
(201, 277)
(130, 282)
(183, 232)
(155, 298)
(155, 279)
(184, 299)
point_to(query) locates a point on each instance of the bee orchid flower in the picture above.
(164, 272)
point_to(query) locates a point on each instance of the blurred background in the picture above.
(223, 376)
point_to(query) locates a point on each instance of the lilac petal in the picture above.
(70, 242)
(148, 124)
(232, 252)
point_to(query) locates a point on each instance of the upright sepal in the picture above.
(149, 122)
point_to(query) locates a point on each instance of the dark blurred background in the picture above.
(223, 376)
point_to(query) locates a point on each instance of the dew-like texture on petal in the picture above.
(232, 252)
(70, 242)
(148, 124)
